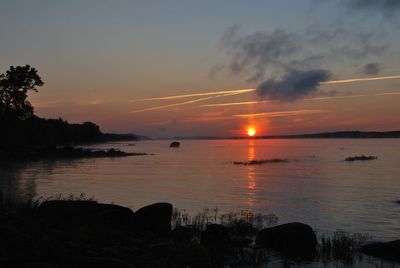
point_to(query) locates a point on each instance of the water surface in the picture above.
(316, 187)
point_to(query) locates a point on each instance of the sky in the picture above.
(281, 66)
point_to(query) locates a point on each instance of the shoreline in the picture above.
(80, 232)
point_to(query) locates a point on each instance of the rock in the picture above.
(360, 158)
(115, 216)
(66, 208)
(155, 218)
(215, 236)
(385, 250)
(39, 265)
(241, 242)
(292, 238)
(14, 244)
(87, 211)
(106, 262)
(175, 144)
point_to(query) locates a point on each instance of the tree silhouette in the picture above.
(14, 87)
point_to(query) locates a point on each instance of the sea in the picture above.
(315, 186)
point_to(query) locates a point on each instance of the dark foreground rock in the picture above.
(155, 218)
(385, 250)
(175, 144)
(295, 239)
(90, 212)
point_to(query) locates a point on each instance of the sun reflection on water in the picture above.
(251, 182)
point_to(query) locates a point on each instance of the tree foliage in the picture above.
(14, 87)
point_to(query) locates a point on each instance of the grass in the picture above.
(341, 246)
(243, 223)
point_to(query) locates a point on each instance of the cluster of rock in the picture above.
(260, 162)
(360, 158)
(53, 152)
(61, 233)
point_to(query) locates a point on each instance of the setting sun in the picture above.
(251, 131)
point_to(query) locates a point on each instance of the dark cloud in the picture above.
(295, 84)
(371, 69)
(388, 7)
(256, 53)
(272, 53)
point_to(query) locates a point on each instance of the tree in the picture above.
(14, 87)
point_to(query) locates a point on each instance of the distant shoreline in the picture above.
(324, 135)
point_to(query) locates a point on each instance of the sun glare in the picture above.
(251, 131)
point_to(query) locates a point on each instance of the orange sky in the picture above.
(114, 63)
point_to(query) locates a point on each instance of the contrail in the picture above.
(269, 101)
(280, 114)
(238, 91)
(232, 103)
(225, 93)
(360, 80)
(184, 103)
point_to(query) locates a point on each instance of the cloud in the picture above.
(295, 84)
(387, 7)
(262, 54)
(292, 65)
(257, 52)
(371, 69)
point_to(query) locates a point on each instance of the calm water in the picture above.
(316, 187)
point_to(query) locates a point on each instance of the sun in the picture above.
(251, 131)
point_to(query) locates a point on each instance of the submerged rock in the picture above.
(360, 158)
(384, 250)
(260, 162)
(175, 144)
(292, 238)
(155, 218)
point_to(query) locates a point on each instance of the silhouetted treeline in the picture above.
(19, 127)
(347, 135)
(38, 132)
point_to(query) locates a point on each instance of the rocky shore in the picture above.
(53, 152)
(85, 233)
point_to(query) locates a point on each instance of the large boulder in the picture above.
(67, 208)
(14, 245)
(155, 218)
(384, 250)
(86, 211)
(292, 238)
